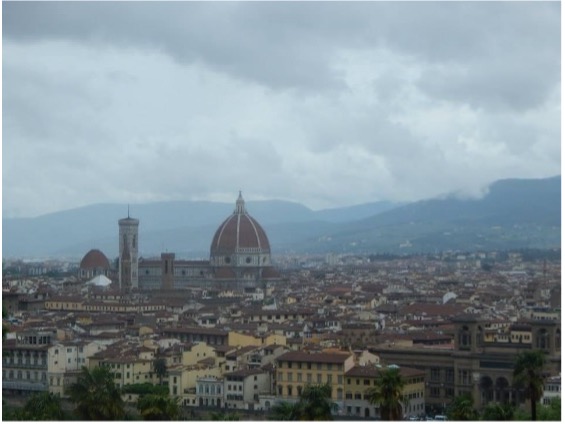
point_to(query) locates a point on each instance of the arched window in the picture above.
(486, 387)
(501, 388)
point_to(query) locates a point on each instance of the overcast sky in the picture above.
(327, 104)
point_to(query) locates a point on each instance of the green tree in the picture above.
(160, 368)
(159, 407)
(42, 406)
(286, 411)
(528, 373)
(96, 396)
(551, 412)
(145, 389)
(498, 412)
(314, 405)
(461, 409)
(388, 394)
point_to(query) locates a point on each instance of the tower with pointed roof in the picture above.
(128, 249)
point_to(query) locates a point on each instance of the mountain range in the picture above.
(514, 213)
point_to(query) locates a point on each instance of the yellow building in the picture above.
(297, 369)
(128, 365)
(241, 339)
(196, 352)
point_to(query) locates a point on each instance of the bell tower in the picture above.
(128, 248)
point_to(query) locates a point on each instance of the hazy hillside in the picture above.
(514, 213)
(185, 227)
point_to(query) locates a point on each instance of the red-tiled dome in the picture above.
(94, 259)
(240, 233)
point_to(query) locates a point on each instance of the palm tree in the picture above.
(316, 403)
(528, 373)
(96, 396)
(158, 407)
(461, 409)
(286, 411)
(388, 394)
(160, 368)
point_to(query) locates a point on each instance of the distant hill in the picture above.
(184, 227)
(513, 214)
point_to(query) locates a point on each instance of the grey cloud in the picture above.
(323, 103)
(290, 45)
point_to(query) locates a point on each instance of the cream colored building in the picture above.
(183, 379)
(65, 360)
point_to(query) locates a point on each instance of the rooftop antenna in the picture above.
(128, 210)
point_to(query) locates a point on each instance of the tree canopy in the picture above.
(315, 404)
(528, 373)
(388, 394)
(155, 407)
(96, 396)
(462, 409)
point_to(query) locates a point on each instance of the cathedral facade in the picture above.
(240, 258)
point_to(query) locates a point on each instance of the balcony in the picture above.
(21, 385)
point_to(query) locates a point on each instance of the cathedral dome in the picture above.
(95, 259)
(240, 240)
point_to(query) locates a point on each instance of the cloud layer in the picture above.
(327, 104)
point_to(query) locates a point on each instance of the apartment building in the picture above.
(242, 388)
(295, 370)
(24, 361)
(65, 359)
